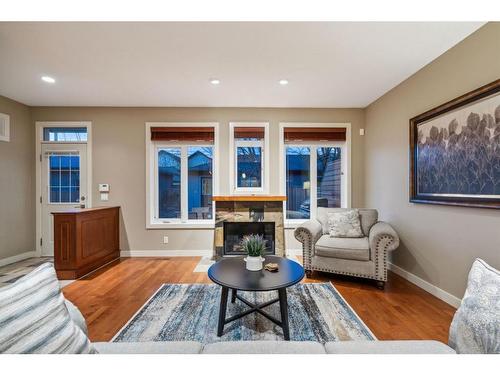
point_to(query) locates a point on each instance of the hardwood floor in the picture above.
(109, 297)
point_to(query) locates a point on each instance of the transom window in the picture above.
(182, 175)
(315, 166)
(249, 157)
(65, 134)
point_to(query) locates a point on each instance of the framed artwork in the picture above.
(455, 151)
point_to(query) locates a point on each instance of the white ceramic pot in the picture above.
(254, 263)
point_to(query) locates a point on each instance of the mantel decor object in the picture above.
(455, 151)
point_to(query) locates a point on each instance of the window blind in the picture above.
(195, 133)
(249, 132)
(314, 134)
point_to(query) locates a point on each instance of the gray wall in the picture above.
(439, 243)
(119, 159)
(17, 171)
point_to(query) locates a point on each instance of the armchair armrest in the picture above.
(383, 232)
(382, 238)
(308, 234)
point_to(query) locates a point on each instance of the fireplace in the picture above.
(235, 231)
(237, 216)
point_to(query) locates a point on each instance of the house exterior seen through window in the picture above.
(180, 176)
(249, 157)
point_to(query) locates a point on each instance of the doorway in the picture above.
(63, 176)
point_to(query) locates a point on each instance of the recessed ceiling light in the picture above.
(48, 79)
(214, 81)
(283, 82)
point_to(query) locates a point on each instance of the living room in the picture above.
(250, 187)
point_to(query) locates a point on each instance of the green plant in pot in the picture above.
(255, 246)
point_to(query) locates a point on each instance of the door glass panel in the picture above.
(200, 182)
(329, 176)
(298, 183)
(169, 183)
(249, 167)
(64, 177)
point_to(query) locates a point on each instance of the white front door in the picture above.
(63, 183)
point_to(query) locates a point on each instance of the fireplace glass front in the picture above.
(234, 233)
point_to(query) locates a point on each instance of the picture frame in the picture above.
(455, 151)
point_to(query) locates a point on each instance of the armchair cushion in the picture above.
(368, 217)
(343, 248)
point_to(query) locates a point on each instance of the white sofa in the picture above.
(263, 347)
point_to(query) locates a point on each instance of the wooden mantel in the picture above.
(249, 198)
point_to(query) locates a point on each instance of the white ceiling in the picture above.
(328, 64)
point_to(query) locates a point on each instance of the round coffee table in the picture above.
(231, 273)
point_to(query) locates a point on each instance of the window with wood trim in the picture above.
(249, 157)
(315, 167)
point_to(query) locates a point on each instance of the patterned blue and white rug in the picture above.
(189, 312)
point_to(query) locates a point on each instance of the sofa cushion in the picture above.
(156, 347)
(264, 347)
(35, 319)
(343, 248)
(76, 316)
(388, 347)
(368, 217)
(344, 224)
(476, 325)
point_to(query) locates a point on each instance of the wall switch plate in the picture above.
(165, 239)
(361, 131)
(104, 188)
(104, 196)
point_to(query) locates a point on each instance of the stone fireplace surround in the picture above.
(253, 208)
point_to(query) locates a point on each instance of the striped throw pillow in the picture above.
(34, 318)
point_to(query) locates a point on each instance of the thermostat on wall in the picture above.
(104, 190)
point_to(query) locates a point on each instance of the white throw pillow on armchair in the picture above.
(345, 224)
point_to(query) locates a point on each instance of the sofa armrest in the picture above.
(308, 234)
(76, 316)
(383, 238)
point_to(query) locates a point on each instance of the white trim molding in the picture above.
(165, 253)
(233, 188)
(151, 176)
(443, 295)
(39, 126)
(18, 258)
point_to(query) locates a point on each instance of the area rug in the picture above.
(189, 312)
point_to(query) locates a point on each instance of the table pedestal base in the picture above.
(282, 299)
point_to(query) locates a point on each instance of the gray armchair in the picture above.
(362, 257)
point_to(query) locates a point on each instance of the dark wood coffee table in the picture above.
(231, 273)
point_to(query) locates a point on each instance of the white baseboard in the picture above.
(165, 253)
(17, 258)
(427, 286)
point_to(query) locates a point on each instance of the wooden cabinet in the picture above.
(84, 240)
